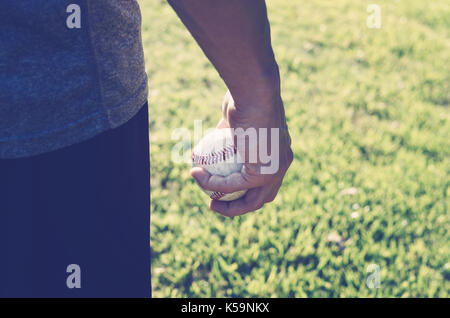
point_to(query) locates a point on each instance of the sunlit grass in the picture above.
(368, 113)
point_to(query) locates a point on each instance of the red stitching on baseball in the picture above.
(214, 157)
(217, 195)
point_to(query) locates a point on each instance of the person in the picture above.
(74, 153)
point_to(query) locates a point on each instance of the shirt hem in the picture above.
(76, 133)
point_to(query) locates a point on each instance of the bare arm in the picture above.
(235, 36)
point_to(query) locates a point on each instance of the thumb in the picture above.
(199, 174)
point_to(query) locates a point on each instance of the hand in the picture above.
(265, 112)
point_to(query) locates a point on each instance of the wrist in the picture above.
(261, 90)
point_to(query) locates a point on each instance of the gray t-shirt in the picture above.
(69, 70)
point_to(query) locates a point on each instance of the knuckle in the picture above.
(257, 205)
(290, 157)
(271, 199)
(284, 168)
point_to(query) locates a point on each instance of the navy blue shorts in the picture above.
(76, 222)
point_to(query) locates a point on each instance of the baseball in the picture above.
(217, 154)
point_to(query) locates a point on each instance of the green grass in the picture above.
(367, 109)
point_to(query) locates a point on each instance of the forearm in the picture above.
(235, 36)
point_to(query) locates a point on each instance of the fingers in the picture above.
(262, 188)
(253, 200)
(231, 183)
(273, 194)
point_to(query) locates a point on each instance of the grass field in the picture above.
(368, 111)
